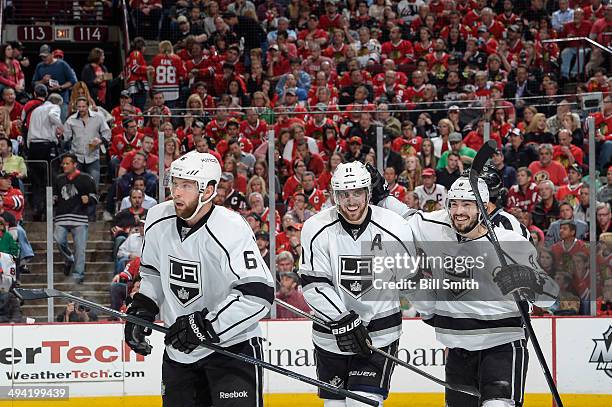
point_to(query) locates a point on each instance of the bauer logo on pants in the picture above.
(185, 280)
(356, 276)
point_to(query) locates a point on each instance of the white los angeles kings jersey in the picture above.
(472, 317)
(215, 265)
(341, 271)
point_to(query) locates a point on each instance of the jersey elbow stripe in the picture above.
(307, 280)
(223, 309)
(262, 309)
(318, 290)
(259, 290)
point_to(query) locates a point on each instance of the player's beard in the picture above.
(353, 216)
(187, 209)
(464, 228)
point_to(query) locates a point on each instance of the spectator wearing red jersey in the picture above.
(168, 71)
(316, 197)
(123, 282)
(216, 129)
(395, 189)
(408, 143)
(135, 72)
(146, 147)
(523, 195)
(325, 178)
(124, 111)
(124, 142)
(575, 49)
(565, 152)
(312, 33)
(331, 19)
(313, 161)
(475, 138)
(400, 51)
(547, 169)
(13, 201)
(295, 181)
(11, 105)
(568, 246)
(11, 74)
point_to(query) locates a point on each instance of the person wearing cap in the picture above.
(356, 150)
(254, 221)
(431, 195)
(570, 191)
(456, 143)
(288, 292)
(293, 244)
(262, 238)
(518, 152)
(249, 29)
(234, 200)
(506, 172)
(125, 110)
(312, 33)
(55, 74)
(184, 29)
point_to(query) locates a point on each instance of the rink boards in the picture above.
(92, 360)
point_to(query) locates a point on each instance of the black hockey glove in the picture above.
(351, 335)
(380, 188)
(145, 308)
(189, 331)
(518, 278)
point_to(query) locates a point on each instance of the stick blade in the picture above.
(485, 152)
(34, 294)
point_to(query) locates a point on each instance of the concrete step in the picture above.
(93, 229)
(41, 245)
(91, 255)
(95, 235)
(40, 278)
(67, 286)
(58, 267)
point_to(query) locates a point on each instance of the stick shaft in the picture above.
(397, 360)
(244, 358)
(474, 172)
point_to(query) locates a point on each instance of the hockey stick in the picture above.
(39, 294)
(485, 152)
(456, 387)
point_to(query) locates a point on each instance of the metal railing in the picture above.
(59, 11)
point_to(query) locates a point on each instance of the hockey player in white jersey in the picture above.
(203, 273)
(339, 246)
(480, 324)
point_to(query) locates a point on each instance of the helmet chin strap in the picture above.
(201, 203)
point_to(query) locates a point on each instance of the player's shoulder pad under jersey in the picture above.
(392, 222)
(228, 226)
(439, 217)
(318, 221)
(158, 213)
(509, 235)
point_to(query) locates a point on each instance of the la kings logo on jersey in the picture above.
(184, 280)
(356, 276)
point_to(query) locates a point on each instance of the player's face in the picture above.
(353, 204)
(185, 196)
(464, 215)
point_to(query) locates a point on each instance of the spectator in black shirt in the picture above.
(356, 150)
(249, 29)
(506, 172)
(517, 152)
(390, 157)
(449, 174)
(547, 210)
(73, 193)
(234, 198)
(365, 130)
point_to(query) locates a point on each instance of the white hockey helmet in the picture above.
(351, 176)
(203, 168)
(461, 189)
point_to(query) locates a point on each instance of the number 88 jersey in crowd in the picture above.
(215, 265)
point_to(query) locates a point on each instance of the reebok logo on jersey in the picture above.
(233, 395)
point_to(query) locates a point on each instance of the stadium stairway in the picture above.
(99, 265)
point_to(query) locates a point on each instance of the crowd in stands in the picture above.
(436, 76)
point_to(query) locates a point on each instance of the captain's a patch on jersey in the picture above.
(185, 280)
(356, 275)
